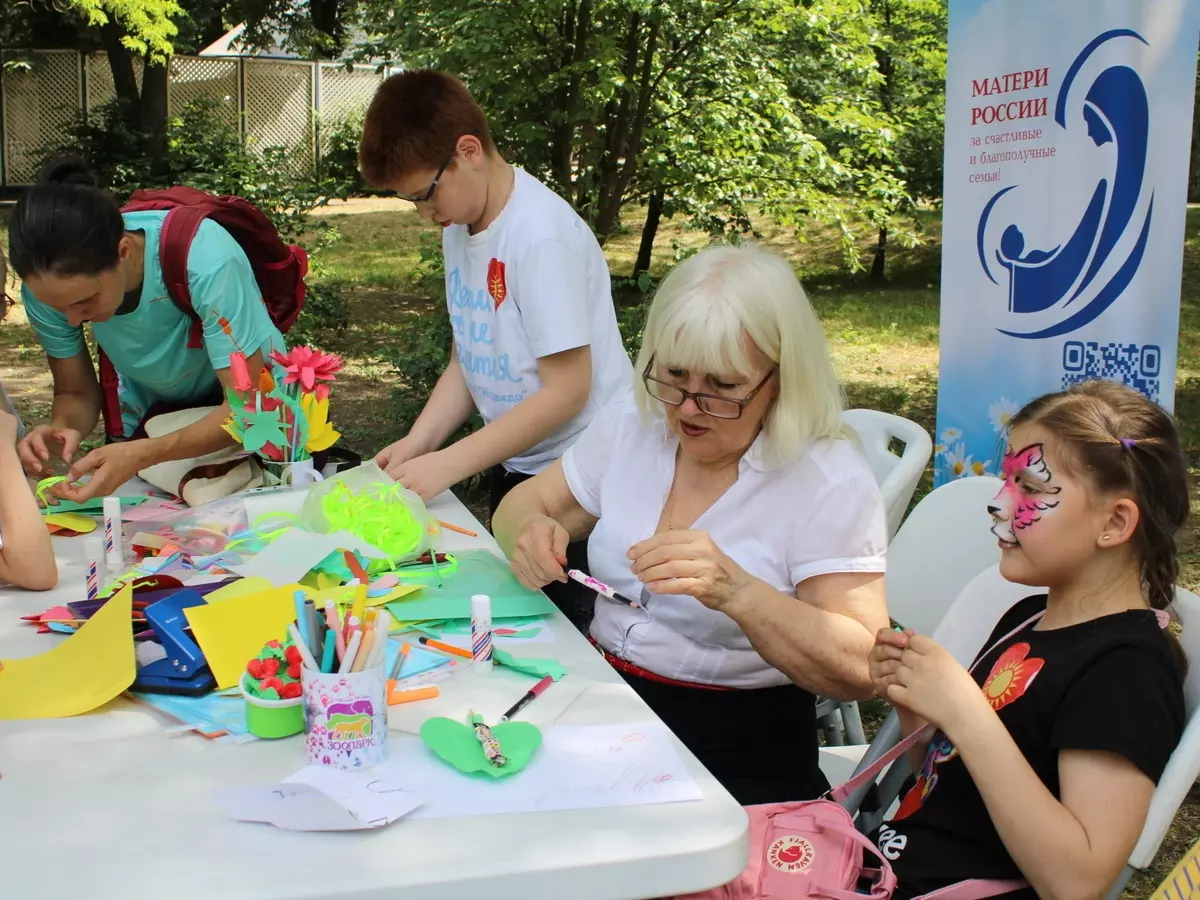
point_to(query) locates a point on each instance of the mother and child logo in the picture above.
(346, 723)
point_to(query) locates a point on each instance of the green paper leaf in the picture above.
(270, 694)
(538, 668)
(456, 743)
(263, 428)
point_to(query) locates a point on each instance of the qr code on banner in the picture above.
(1138, 366)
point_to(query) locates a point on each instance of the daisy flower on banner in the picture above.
(950, 435)
(1001, 413)
(958, 461)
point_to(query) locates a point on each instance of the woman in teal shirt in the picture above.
(81, 260)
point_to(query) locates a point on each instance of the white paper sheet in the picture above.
(323, 799)
(293, 554)
(490, 694)
(577, 767)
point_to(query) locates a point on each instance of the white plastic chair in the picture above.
(942, 545)
(897, 476)
(963, 632)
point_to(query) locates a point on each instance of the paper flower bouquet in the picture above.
(282, 416)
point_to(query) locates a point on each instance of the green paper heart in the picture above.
(538, 668)
(456, 744)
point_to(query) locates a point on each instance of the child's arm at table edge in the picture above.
(566, 385)
(27, 557)
(449, 405)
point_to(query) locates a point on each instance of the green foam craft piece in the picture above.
(456, 744)
(377, 515)
(538, 668)
(87, 507)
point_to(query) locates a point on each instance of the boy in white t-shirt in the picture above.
(536, 346)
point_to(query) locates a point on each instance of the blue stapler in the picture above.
(184, 669)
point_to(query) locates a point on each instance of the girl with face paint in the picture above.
(1043, 763)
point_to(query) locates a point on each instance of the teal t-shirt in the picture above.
(148, 346)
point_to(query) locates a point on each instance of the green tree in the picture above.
(683, 105)
(910, 51)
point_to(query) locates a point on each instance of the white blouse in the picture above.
(817, 514)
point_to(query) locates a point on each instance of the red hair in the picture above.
(414, 123)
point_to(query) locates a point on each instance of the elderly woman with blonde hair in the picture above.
(725, 504)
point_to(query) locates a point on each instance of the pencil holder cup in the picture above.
(345, 717)
(273, 718)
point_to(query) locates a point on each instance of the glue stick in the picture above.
(112, 534)
(93, 558)
(481, 631)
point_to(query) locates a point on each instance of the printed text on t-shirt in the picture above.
(489, 373)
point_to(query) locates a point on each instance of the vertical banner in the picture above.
(1068, 127)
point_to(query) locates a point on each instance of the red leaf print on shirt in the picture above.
(1011, 676)
(495, 282)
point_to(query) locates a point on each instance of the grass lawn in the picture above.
(884, 340)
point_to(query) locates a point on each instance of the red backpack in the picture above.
(279, 268)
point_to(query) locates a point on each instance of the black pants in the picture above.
(760, 744)
(576, 602)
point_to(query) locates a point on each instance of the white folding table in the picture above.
(110, 805)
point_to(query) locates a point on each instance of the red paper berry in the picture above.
(255, 668)
(273, 644)
(272, 682)
(270, 666)
(290, 691)
(292, 654)
(294, 670)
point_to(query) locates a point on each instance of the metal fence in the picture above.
(275, 102)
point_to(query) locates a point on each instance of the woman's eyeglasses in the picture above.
(711, 404)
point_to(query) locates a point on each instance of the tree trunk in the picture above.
(578, 26)
(887, 68)
(153, 113)
(877, 267)
(120, 63)
(654, 211)
(612, 193)
(326, 19)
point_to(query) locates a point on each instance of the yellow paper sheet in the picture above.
(233, 631)
(239, 588)
(344, 595)
(77, 522)
(82, 673)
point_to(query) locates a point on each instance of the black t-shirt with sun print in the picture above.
(1110, 684)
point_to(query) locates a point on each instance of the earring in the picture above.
(1106, 537)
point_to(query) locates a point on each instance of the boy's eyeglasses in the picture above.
(712, 404)
(424, 198)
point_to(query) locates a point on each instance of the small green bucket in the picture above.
(273, 718)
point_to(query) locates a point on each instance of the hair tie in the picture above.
(1164, 618)
(1128, 443)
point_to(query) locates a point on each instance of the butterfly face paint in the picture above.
(1026, 493)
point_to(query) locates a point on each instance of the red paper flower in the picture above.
(292, 654)
(290, 691)
(255, 668)
(293, 670)
(270, 666)
(307, 366)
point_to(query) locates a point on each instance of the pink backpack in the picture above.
(811, 849)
